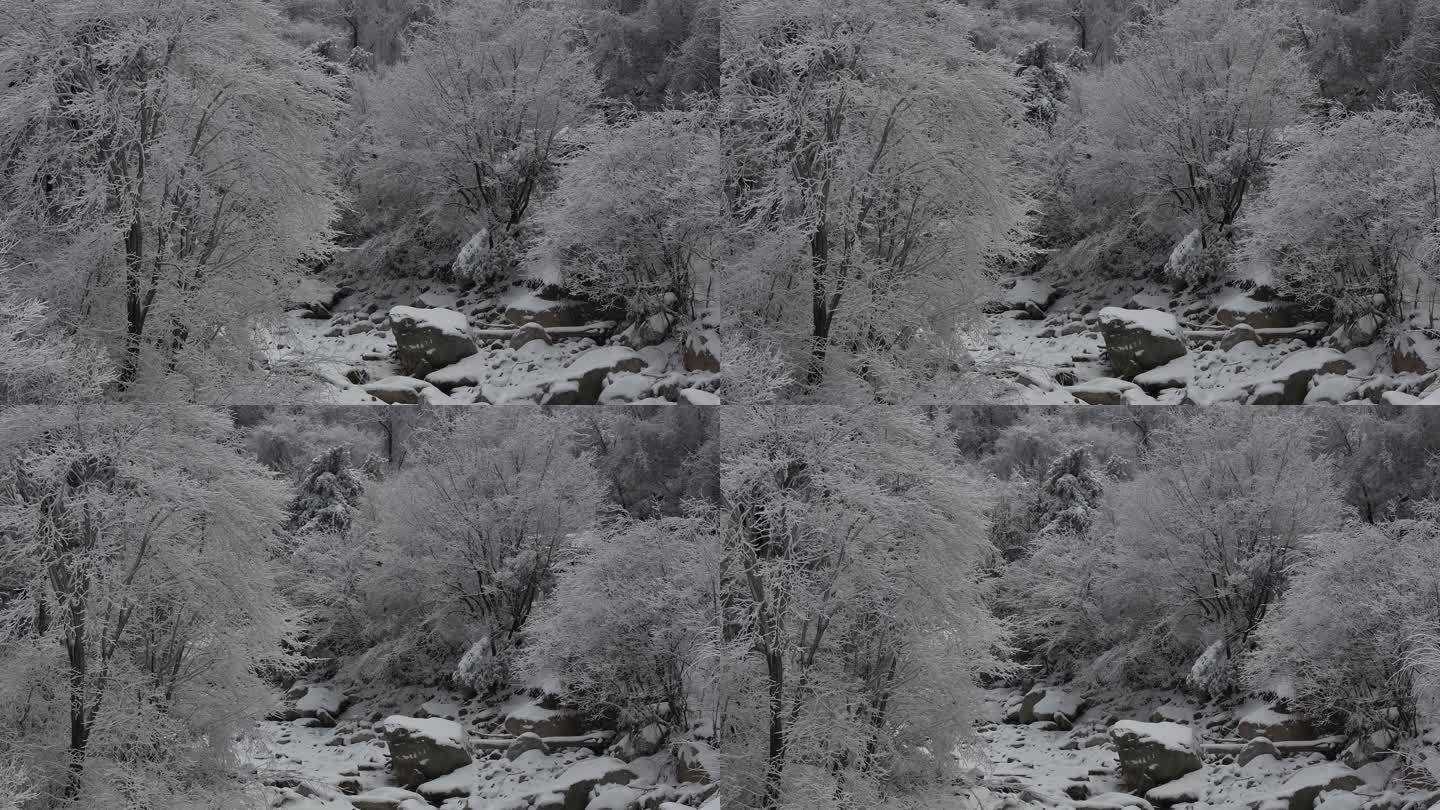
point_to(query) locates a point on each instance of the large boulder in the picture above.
(1415, 352)
(427, 340)
(549, 313)
(1261, 309)
(319, 702)
(422, 749)
(1030, 295)
(1051, 703)
(388, 798)
(533, 718)
(1138, 340)
(577, 781)
(582, 382)
(1306, 785)
(1274, 726)
(1289, 382)
(1153, 754)
(314, 298)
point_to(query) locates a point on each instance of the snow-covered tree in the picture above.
(873, 183)
(1356, 627)
(1347, 223)
(164, 170)
(852, 551)
(472, 530)
(466, 131)
(1206, 534)
(138, 607)
(636, 220)
(655, 460)
(1184, 126)
(654, 53)
(633, 626)
(328, 496)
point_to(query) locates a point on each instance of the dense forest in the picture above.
(372, 200)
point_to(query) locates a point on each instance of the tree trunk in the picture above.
(136, 307)
(775, 761)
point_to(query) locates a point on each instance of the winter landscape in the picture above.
(603, 202)
(1103, 608)
(303, 609)
(687, 404)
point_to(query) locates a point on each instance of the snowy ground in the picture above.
(352, 350)
(1039, 765)
(309, 764)
(1060, 356)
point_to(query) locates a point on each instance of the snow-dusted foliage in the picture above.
(637, 219)
(465, 133)
(138, 605)
(328, 496)
(1356, 630)
(1205, 537)
(164, 170)
(633, 625)
(853, 603)
(471, 532)
(1181, 129)
(1347, 223)
(873, 185)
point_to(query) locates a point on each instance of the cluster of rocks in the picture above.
(1260, 350)
(530, 754)
(1163, 762)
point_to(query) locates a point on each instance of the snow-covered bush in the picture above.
(1182, 128)
(139, 612)
(631, 629)
(1347, 222)
(329, 495)
(1205, 535)
(636, 220)
(470, 532)
(1356, 630)
(465, 133)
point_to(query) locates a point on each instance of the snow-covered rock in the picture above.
(582, 382)
(386, 798)
(1259, 309)
(403, 391)
(1305, 786)
(1188, 788)
(427, 340)
(529, 741)
(579, 780)
(1153, 754)
(533, 308)
(1256, 747)
(532, 718)
(1416, 352)
(528, 332)
(1289, 382)
(1274, 726)
(1104, 391)
(1138, 340)
(1029, 291)
(320, 702)
(313, 297)
(423, 749)
(1050, 703)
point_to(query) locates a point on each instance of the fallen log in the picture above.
(1304, 330)
(1325, 745)
(595, 741)
(597, 330)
